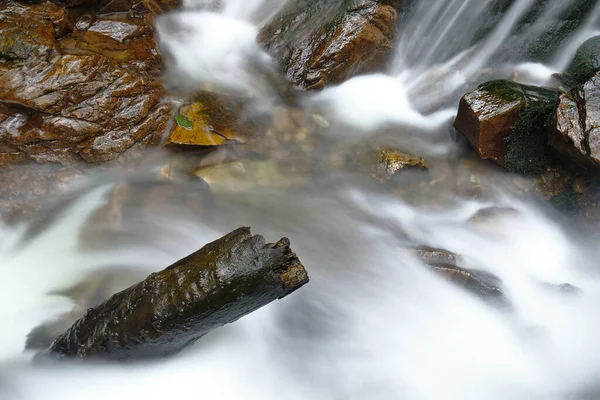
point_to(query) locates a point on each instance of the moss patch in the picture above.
(527, 149)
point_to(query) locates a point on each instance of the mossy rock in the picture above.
(585, 64)
(507, 122)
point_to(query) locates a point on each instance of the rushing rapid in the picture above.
(373, 323)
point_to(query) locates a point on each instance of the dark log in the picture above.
(218, 284)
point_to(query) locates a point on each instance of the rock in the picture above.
(486, 220)
(128, 215)
(244, 175)
(585, 64)
(69, 95)
(123, 6)
(540, 34)
(390, 162)
(319, 43)
(576, 135)
(506, 122)
(211, 119)
(173, 308)
(30, 30)
(78, 108)
(24, 190)
(127, 39)
(479, 283)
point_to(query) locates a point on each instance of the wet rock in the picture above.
(319, 43)
(116, 6)
(211, 119)
(389, 162)
(585, 64)
(576, 135)
(127, 39)
(75, 84)
(479, 283)
(244, 175)
(30, 30)
(173, 308)
(506, 122)
(487, 219)
(78, 108)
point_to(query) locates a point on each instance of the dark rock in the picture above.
(585, 64)
(479, 283)
(171, 309)
(318, 43)
(506, 122)
(576, 135)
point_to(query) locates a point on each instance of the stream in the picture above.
(373, 323)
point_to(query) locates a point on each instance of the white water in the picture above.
(372, 323)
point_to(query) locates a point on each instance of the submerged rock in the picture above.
(507, 122)
(210, 120)
(173, 308)
(390, 162)
(479, 283)
(576, 135)
(318, 43)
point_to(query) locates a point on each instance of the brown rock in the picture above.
(115, 6)
(78, 108)
(30, 29)
(212, 119)
(68, 96)
(486, 115)
(318, 43)
(127, 39)
(390, 162)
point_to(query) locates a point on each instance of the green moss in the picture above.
(527, 150)
(502, 89)
(585, 63)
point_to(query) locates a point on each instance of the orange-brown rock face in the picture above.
(486, 115)
(318, 43)
(75, 84)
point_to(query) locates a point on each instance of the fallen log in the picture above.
(171, 309)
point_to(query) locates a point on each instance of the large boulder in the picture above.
(507, 122)
(576, 134)
(318, 42)
(77, 85)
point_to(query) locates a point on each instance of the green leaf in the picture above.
(183, 122)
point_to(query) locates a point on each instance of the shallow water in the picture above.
(373, 323)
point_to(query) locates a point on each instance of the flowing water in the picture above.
(373, 323)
